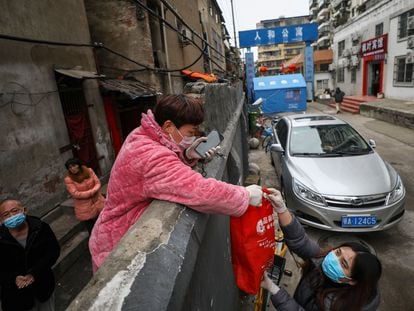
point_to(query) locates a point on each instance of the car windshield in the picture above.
(327, 141)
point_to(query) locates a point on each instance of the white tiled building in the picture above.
(370, 51)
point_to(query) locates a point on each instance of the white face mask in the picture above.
(185, 142)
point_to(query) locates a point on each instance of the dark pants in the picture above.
(89, 224)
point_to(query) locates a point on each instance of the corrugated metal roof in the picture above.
(79, 74)
(131, 88)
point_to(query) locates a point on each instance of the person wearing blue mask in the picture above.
(343, 278)
(28, 250)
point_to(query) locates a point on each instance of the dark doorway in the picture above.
(76, 115)
(124, 114)
(374, 77)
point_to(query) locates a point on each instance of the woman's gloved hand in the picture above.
(190, 152)
(268, 284)
(275, 197)
(255, 193)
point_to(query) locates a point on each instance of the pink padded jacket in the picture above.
(150, 166)
(87, 198)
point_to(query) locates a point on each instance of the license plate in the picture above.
(359, 221)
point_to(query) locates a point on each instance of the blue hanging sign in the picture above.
(250, 73)
(288, 34)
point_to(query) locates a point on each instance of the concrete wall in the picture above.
(174, 258)
(31, 117)
(180, 54)
(364, 24)
(211, 20)
(131, 30)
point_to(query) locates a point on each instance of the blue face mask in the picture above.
(332, 268)
(15, 221)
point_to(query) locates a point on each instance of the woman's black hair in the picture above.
(73, 161)
(366, 272)
(180, 109)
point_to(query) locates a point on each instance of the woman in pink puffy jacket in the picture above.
(155, 163)
(85, 189)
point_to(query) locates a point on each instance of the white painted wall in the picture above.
(365, 24)
(396, 48)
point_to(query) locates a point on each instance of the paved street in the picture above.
(394, 247)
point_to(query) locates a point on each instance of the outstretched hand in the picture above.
(268, 284)
(275, 197)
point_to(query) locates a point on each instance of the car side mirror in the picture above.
(277, 148)
(372, 143)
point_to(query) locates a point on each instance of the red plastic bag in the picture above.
(252, 245)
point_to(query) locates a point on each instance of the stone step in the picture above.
(353, 100)
(346, 108)
(70, 251)
(64, 224)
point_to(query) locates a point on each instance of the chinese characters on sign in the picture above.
(286, 34)
(377, 45)
(249, 75)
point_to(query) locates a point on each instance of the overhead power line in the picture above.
(95, 45)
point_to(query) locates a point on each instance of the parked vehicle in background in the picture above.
(333, 179)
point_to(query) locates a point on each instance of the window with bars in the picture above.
(322, 84)
(403, 72)
(379, 29)
(403, 32)
(353, 75)
(341, 75)
(341, 48)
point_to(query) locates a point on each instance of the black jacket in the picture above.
(339, 96)
(37, 258)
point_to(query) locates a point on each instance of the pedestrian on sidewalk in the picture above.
(339, 97)
(341, 279)
(85, 188)
(28, 249)
(155, 163)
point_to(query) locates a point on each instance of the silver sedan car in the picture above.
(332, 178)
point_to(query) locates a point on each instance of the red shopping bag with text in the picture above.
(252, 245)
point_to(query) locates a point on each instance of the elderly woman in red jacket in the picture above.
(85, 189)
(155, 163)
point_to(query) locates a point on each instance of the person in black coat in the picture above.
(28, 250)
(339, 97)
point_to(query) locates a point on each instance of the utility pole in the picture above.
(234, 25)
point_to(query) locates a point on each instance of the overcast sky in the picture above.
(249, 12)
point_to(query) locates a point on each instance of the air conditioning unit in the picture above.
(409, 59)
(355, 50)
(332, 67)
(410, 42)
(354, 61)
(355, 36)
(185, 36)
(344, 62)
(346, 53)
(410, 22)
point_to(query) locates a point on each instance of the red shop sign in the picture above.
(375, 45)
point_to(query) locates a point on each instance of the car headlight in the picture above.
(397, 193)
(306, 194)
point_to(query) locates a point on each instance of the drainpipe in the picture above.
(167, 58)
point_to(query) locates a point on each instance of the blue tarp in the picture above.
(281, 93)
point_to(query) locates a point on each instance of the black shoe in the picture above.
(338, 112)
